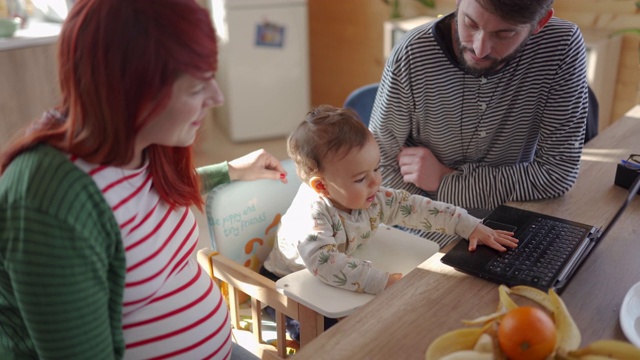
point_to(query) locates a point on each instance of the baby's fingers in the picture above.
(506, 238)
(494, 244)
(504, 233)
(473, 243)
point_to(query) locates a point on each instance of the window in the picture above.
(42, 21)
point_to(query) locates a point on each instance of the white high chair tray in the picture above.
(390, 249)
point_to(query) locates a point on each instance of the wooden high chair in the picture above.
(243, 218)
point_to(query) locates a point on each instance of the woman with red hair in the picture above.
(96, 231)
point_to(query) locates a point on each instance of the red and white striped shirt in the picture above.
(171, 307)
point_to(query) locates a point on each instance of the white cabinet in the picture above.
(263, 67)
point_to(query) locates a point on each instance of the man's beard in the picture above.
(495, 64)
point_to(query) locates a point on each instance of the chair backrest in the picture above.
(361, 100)
(592, 117)
(243, 216)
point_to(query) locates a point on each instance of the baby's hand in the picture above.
(392, 279)
(485, 235)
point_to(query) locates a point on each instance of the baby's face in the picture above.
(352, 181)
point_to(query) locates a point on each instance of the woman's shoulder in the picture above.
(45, 180)
(39, 158)
(42, 168)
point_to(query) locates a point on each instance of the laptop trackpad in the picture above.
(500, 226)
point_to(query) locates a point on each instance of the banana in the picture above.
(492, 330)
(480, 343)
(453, 341)
(568, 333)
(484, 344)
(484, 319)
(468, 355)
(534, 294)
(562, 355)
(609, 349)
(506, 303)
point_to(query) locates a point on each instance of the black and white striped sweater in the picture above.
(527, 142)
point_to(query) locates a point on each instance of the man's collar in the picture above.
(444, 37)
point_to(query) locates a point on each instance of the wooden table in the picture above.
(401, 322)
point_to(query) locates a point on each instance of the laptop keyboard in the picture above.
(543, 249)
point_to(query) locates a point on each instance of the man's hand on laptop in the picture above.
(496, 239)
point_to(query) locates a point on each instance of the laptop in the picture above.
(549, 252)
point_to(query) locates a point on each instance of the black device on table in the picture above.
(549, 252)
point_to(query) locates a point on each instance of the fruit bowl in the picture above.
(485, 338)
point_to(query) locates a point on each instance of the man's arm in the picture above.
(559, 115)
(555, 166)
(391, 122)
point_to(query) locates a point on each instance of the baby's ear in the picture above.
(317, 184)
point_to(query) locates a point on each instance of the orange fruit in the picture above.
(527, 333)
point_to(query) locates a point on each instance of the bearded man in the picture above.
(483, 106)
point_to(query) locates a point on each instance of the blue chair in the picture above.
(361, 100)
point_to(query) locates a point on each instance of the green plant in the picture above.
(395, 6)
(627, 31)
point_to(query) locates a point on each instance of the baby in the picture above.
(340, 205)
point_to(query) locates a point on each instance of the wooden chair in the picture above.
(243, 218)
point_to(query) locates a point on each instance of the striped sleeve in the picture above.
(213, 175)
(61, 264)
(554, 167)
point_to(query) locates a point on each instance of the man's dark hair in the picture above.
(518, 11)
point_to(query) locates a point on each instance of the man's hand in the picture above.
(420, 167)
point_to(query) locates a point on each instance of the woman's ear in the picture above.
(317, 184)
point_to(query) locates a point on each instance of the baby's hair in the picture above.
(326, 132)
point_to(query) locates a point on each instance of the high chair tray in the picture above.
(390, 249)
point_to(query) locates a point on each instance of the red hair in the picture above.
(118, 61)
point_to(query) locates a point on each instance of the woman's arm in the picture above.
(253, 166)
(62, 263)
(64, 287)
